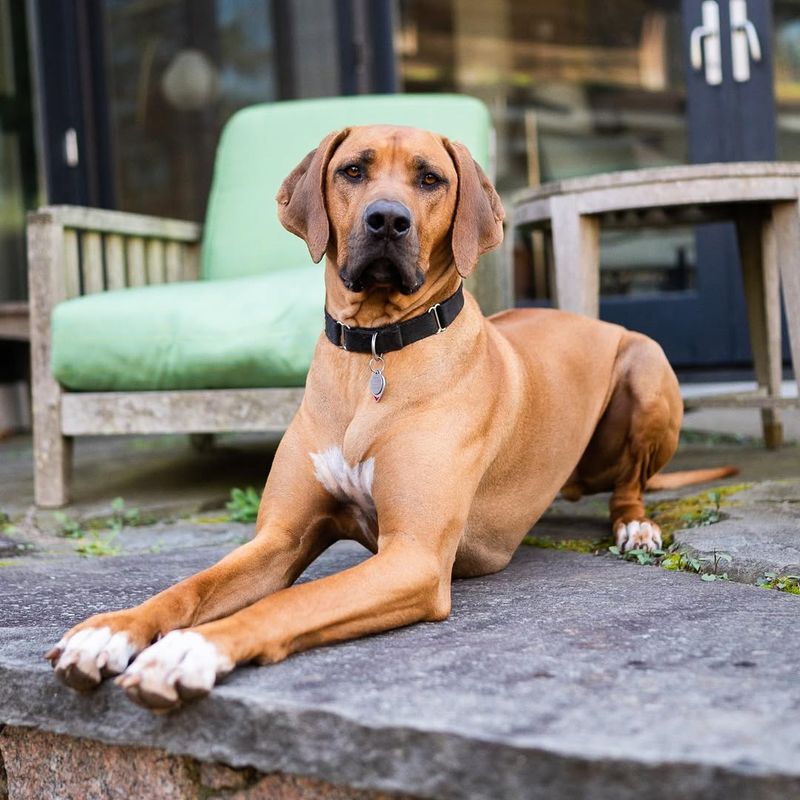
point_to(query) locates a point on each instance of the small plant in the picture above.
(122, 516)
(706, 515)
(243, 505)
(70, 527)
(675, 561)
(6, 525)
(90, 540)
(641, 556)
(94, 544)
(715, 560)
(782, 583)
(683, 562)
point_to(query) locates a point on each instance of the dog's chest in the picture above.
(351, 484)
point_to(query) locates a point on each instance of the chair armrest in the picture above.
(101, 220)
(77, 251)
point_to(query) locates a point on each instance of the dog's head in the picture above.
(386, 202)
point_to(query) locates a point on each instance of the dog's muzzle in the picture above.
(384, 251)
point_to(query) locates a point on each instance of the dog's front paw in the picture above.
(637, 534)
(181, 666)
(87, 655)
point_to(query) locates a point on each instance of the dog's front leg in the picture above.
(295, 526)
(406, 582)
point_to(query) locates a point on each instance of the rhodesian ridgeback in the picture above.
(430, 434)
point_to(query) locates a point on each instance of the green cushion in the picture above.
(262, 144)
(257, 331)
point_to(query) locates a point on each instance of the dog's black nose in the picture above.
(387, 219)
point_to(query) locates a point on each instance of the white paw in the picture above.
(181, 666)
(638, 535)
(83, 659)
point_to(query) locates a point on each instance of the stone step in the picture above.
(564, 676)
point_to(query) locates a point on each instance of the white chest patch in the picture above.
(348, 484)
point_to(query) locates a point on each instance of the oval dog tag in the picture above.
(377, 384)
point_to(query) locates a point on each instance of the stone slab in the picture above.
(565, 676)
(760, 530)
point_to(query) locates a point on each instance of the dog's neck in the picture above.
(384, 306)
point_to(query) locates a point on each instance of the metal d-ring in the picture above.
(434, 309)
(342, 342)
(376, 356)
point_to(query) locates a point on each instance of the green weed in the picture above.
(782, 583)
(121, 516)
(707, 567)
(96, 544)
(243, 505)
(91, 540)
(69, 527)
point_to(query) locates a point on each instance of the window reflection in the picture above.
(177, 70)
(575, 88)
(787, 78)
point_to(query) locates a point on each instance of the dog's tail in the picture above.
(674, 480)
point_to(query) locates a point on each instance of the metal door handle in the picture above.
(744, 41)
(704, 44)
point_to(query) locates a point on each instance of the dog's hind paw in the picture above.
(637, 534)
(82, 659)
(182, 666)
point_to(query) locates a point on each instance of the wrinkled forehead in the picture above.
(390, 145)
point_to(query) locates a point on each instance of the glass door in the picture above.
(577, 88)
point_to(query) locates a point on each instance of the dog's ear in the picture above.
(301, 198)
(479, 215)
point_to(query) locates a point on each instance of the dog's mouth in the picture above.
(382, 272)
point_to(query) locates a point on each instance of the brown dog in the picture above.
(477, 430)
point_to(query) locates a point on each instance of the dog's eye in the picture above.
(430, 179)
(353, 171)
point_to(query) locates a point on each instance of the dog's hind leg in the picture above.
(635, 438)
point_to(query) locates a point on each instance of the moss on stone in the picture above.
(694, 510)
(573, 545)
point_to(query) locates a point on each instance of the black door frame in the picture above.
(16, 116)
(68, 48)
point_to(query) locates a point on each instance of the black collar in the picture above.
(398, 335)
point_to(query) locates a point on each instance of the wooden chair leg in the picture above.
(786, 219)
(52, 452)
(758, 252)
(576, 258)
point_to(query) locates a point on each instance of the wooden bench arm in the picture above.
(101, 220)
(74, 251)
